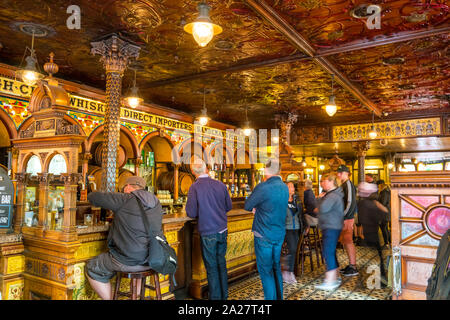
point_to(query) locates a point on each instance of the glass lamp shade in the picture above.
(29, 75)
(304, 164)
(203, 118)
(133, 100)
(247, 130)
(321, 167)
(202, 28)
(390, 165)
(331, 107)
(372, 133)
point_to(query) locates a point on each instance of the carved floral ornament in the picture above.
(391, 129)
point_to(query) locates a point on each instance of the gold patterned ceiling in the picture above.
(272, 56)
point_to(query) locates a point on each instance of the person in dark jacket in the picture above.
(346, 237)
(269, 202)
(127, 238)
(293, 229)
(310, 202)
(370, 214)
(384, 197)
(209, 201)
(331, 221)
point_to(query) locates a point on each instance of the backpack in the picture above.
(162, 258)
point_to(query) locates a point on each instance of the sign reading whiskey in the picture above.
(6, 200)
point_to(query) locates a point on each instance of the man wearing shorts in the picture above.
(127, 237)
(346, 237)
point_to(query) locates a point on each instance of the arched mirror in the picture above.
(34, 165)
(57, 165)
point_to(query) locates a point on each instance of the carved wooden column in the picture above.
(175, 182)
(70, 199)
(361, 148)
(20, 181)
(137, 164)
(115, 55)
(43, 179)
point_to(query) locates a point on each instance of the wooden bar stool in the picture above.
(303, 249)
(317, 244)
(134, 278)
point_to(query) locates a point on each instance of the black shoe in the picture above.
(344, 269)
(350, 272)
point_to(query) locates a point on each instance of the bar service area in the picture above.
(268, 84)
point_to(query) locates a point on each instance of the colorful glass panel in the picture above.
(426, 240)
(438, 220)
(410, 228)
(425, 201)
(409, 211)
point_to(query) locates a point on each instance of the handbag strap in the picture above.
(144, 218)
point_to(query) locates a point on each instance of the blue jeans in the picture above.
(330, 239)
(268, 255)
(291, 238)
(214, 248)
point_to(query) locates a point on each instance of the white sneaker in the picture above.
(286, 276)
(292, 277)
(328, 286)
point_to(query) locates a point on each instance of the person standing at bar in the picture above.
(331, 220)
(384, 197)
(293, 229)
(269, 203)
(310, 202)
(209, 201)
(346, 237)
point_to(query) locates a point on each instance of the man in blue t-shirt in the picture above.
(209, 201)
(269, 202)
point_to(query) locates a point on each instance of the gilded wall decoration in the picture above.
(307, 135)
(391, 129)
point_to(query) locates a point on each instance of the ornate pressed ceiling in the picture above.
(273, 56)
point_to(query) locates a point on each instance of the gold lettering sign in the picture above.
(14, 87)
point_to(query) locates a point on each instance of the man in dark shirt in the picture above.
(209, 201)
(346, 237)
(127, 238)
(269, 202)
(384, 197)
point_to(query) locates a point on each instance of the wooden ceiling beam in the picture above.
(299, 42)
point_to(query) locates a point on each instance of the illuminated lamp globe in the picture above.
(202, 29)
(247, 130)
(390, 165)
(372, 133)
(304, 164)
(133, 100)
(331, 107)
(203, 119)
(275, 139)
(321, 167)
(29, 75)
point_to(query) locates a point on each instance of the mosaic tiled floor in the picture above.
(352, 288)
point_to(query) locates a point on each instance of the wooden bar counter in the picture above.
(240, 256)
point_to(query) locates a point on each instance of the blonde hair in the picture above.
(330, 177)
(308, 184)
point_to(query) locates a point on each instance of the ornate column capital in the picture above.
(115, 53)
(361, 147)
(285, 123)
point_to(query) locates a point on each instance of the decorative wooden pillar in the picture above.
(361, 148)
(115, 55)
(252, 177)
(43, 179)
(137, 164)
(21, 180)
(175, 182)
(70, 199)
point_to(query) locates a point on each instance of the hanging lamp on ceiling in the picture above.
(247, 129)
(202, 28)
(30, 75)
(331, 107)
(133, 99)
(373, 133)
(203, 118)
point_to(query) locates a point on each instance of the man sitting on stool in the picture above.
(127, 238)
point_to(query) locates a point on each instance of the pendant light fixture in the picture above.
(133, 99)
(247, 129)
(303, 163)
(373, 133)
(202, 28)
(331, 107)
(203, 119)
(30, 75)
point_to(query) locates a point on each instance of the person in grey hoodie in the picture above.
(331, 221)
(127, 238)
